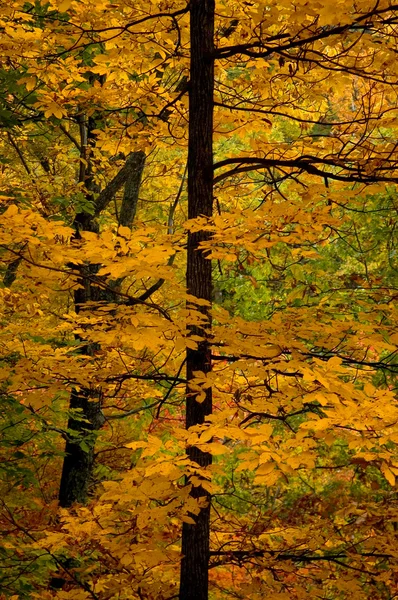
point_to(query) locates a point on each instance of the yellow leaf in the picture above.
(64, 5)
(54, 109)
(136, 445)
(271, 351)
(187, 519)
(214, 448)
(124, 232)
(153, 446)
(265, 469)
(388, 474)
(268, 479)
(318, 425)
(29, 82)
(11, 211)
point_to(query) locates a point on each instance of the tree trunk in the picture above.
(77, 469)
(78, 463)
(195, 538)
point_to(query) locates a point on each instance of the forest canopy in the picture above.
(198, 283)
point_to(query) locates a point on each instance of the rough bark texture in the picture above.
(135, 162)
(195, 538)
(79, 459)
(77, 469)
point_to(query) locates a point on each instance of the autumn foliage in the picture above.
(198, 255)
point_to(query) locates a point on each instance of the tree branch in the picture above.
(307, 164)
(104, 198)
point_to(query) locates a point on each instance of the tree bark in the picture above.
(77, 468)
(195, 538)
(135, 162)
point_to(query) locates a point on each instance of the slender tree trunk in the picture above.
(195, 538)
(77, 469)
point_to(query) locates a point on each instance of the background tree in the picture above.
(299, 454)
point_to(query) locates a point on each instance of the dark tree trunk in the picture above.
(195, 538)
(79, 452)
(77, 469)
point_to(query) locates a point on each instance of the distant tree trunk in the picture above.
(77, 469)
(195, 538)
